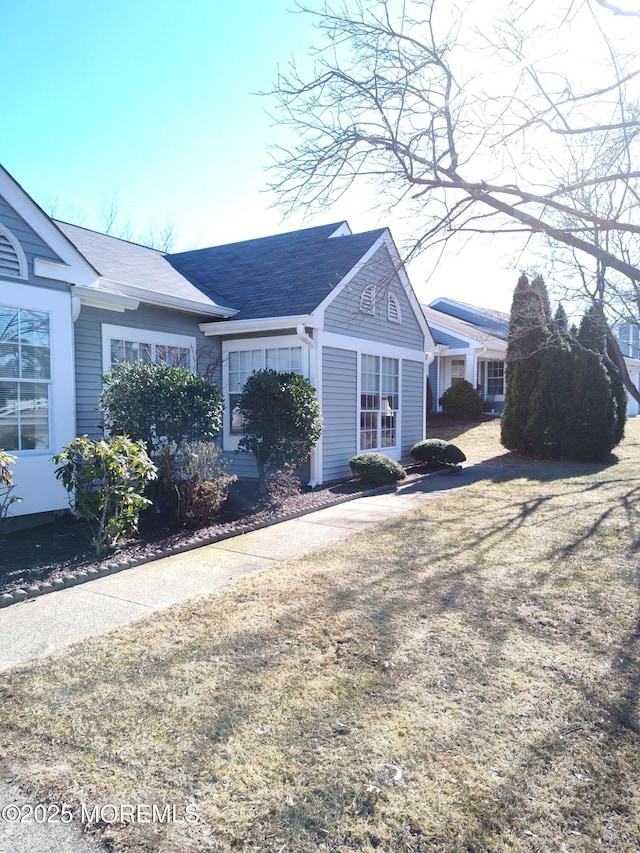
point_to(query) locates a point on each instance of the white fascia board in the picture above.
(318, 314)
(247, 327)
(162, 300)
(474, 342)
(108, 299)
(408, 289)
(75, 268)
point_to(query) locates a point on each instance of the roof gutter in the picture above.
(259, 324)
(179, 303)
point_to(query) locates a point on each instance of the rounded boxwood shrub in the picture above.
(376, 468)
(436, 451)
(462, 402)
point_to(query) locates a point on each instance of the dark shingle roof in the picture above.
(282, 275)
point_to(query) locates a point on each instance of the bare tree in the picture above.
(524, 121)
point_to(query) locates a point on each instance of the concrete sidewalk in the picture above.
(37, 627)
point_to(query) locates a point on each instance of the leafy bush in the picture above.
(160, 405)
(107, 480)
(6, 484)
(436, 451)
(376, 468)
(280, 421)
(281, 485)
(198, 480)
(462, 402)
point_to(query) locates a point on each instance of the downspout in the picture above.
(315, 461)
(429, 357)
(477, 352)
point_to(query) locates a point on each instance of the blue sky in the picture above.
(150, 104)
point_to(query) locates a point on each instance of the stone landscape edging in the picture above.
(19, 594)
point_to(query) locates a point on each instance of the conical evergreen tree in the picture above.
(594, 423)
(529, 327)
(550, 409)
(594, 334)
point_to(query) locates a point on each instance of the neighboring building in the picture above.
(471, 344)
(335, 306)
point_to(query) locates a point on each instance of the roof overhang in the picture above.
(163, 300)
(260, 324)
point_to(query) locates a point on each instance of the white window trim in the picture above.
(138, 335)
(392, 452)
(231, 441)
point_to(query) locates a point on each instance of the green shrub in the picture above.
(160, 405)
(462, 402)
(6, 484)
(197, 480)
(107, 480)
(436, 451)
(280, 421)
(376, 468)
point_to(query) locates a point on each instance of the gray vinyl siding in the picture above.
(31, 244)
(88, 352)
(343, 314)
(412, 404)
(339, 411)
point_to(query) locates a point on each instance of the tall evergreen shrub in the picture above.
(529, 328)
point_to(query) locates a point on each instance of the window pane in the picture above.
(9, 415)
(34, 416)
(8, 324)
(36, 363)
(368, 430)
(117, 352)
(9, 359)
(235, 414)
(34, 328)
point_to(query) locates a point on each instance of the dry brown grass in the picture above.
(486, 645)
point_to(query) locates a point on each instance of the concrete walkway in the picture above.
(37, 627)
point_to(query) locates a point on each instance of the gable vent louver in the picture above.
(393, 309)
(9, 260)
(368, 300)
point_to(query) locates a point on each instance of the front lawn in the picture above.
(463, 678)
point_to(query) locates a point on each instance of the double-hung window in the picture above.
(242, 363)
(379, 402)
(25, 379)
(495, 378)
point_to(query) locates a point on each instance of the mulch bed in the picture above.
(44, 554)
(39, 555)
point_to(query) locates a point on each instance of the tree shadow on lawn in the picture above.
(374, 643)
(320, 678)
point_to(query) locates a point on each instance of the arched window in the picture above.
(13, 261)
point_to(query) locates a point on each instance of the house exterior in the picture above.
(335, 306)
(471, 344)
